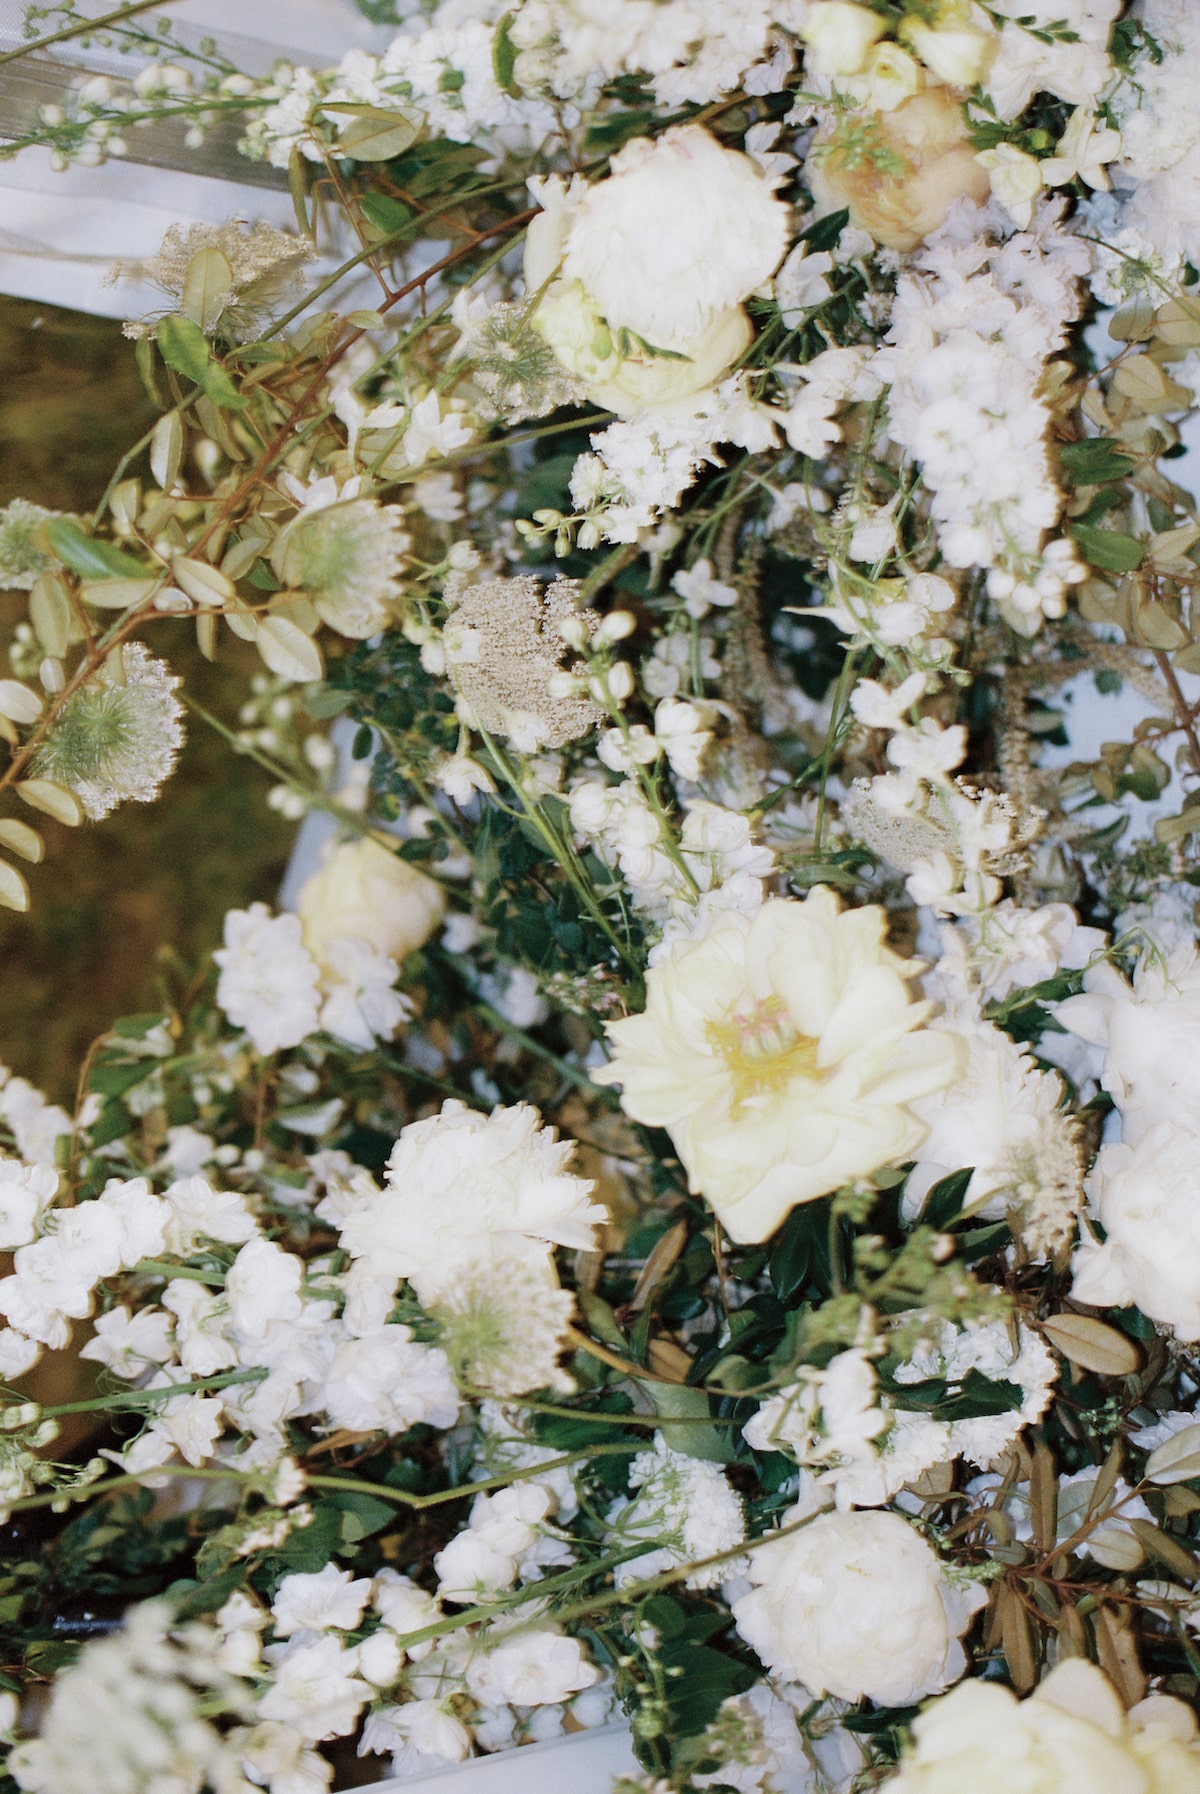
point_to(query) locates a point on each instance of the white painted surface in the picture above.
(62, 233)
(585, 1763)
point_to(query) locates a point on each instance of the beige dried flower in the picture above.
(261, 267)
(503, 647)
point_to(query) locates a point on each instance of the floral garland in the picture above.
(694, 1212)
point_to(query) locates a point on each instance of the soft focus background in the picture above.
(109, 900)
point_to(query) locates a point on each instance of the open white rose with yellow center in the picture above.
(642, 276)
(780, 1053)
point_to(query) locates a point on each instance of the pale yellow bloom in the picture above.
(839, 35)
(780, 1052)
(1015, 180)
(1070, 1737)
(364, 892)
(900, 171)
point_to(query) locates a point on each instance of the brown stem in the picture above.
(1184, 714)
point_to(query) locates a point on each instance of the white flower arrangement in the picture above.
(692, 1213)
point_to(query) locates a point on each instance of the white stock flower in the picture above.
(319, 1600)
(315, 1689)
(780, 1052)
(268, 982)
(26, 1191)
(857, 1605)
(531, 1670)
(262, 1285)
(1071, 1736)
(387, 1381)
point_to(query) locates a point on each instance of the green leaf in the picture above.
(388, 214)
(695, 1435)
(1094, 463)
(826, 231)
(85, 555)
(362, 1515)
(377, 133)
(192, 1598)
(708, 1678)
(184, 347)
(1108, 549)
(504, 58)
(207, 288)
(221, 390)
(943, 1205)
(113, 1123)
(143, 354)
(797, 1249)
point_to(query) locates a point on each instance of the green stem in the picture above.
(84, 28)
(146, 1398)
(158, 1267)
(573, 1073)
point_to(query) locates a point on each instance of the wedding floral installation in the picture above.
(693, 1213)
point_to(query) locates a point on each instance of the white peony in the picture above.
(1001, 1116)
(1150, 1032)
(365, 892)
(857, 1605)
(1146, 1196)
(462, 1186)
(657, 257)
(1070, 1737)
(781, 1052)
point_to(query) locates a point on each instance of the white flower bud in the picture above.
(839, 36)
(616, 626)
(620, 681)
(574, 632)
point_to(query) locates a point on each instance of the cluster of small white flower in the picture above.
(334, 964)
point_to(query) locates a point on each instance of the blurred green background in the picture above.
(110, 895)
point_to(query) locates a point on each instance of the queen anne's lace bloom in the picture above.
(117, 739)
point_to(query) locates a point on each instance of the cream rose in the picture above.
(857, 1605)
(1070, 1737)
(657, 257)
(780, 1053)
(899, 172)
(364, 892)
